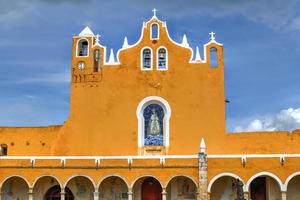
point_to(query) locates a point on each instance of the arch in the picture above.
(12, 176)
(112, 175)
(181, 175)
(162, 61)
(42, 176)
(145, 176)
(167, 114)
(264, 174)
(285, 185)
(213, 55)
(146, 60)
(154, 31)
(83, 50)
(79, 175)
(54, 192)
(211, 182)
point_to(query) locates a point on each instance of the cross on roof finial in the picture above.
(212, 35)
(154, 12)
(97, 38)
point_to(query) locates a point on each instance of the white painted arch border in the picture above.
(228, 174)
(287, 181)
(14, 176)
(111, 176)
(279, 182)
(139, 113)
(146, 176)
(43, 176)
(79, 175)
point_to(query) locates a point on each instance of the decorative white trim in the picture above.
(287, 181)
(151, 38)
(145, 176)
(157, 58)
(79, 175)
(142, 59)
(139, 113)
(111, 60)
(43, 176)
(246, 187)
(228, 174)
(12, 176)
(110, 176)
(88, 48)
(180, 175)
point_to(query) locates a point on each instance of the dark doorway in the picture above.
(151, 189)
(258, 189)
(54, 193)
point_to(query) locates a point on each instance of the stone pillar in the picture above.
(0, 193)
(62, 194)
(130, 194)
(208, 195)
(283, 195)
(96, 194)
(164, 194)
(202, 190)
(246, 196)
(30, 194)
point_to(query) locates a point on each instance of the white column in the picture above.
(62, 194)
(30, 194)
(96, 194)
(246, 195)
(283, 195)
(164, 194)
(130, 194)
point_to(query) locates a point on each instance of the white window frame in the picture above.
(142, 59)
(152, 32)
(88, 47)
(167, 114)
(157, 59)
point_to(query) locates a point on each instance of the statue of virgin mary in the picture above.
(154, 126)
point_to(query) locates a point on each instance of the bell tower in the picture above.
(88, 57)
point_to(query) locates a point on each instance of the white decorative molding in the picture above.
(202, 146)
(151, 33)
(46, 175)
(180, 175)
(79, 175)
(285, 185)
(139, 112)
(225, 174)
(111, 60)
(281, 186)
(142, 59)
(112, 175)
(198, 57)
(12, 176)
(125, 43)
(88, 48)
(184, 41)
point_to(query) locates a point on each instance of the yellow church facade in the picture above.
(148, 124)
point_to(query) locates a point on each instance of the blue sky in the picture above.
(261, 43)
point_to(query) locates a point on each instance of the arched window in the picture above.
(153, 115)
(3, 150)
(154, 32)
(82, 48)
(97, 60)
(213, 57)
(54, 193)
(162, 59)
(146, 59)
(153, 122)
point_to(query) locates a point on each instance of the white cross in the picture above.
(212, 35)
(97, 38)
(154, 12)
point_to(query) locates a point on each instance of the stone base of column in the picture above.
(283, 196)
(246, 196)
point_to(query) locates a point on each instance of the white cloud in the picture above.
(288, 119)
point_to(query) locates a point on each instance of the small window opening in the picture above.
(96, 60)
(3, 150)
(154, 32)
(146, 59)
(162, 59)
(82, 48)
(213, 57)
